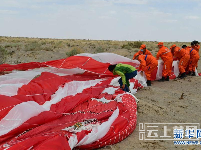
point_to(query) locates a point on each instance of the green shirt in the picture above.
(121, 69)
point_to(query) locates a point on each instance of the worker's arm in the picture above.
(143, 64)
(158, 55)
(135, 55)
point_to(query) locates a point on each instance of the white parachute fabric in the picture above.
(109, 58)
(63, 93)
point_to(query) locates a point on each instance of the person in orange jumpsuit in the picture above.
(183, 56)
(173, 48)
(195, 45)
(194, 57)
(143, 51)
(148, 64)
(167, 58)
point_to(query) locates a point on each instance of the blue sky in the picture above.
(145, 20)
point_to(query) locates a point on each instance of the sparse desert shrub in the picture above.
(74, 51)
(43, 42)
(121, 52)
(136, 50)
(48, 48)
(3, 53)
(16, 40)
(99, 50)
(51, 42)
(68, 44)
(33, 46)
(135, 44)
(8, 46)
(59, 44)
(12, 45)
(127, 47)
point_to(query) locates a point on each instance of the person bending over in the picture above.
(126, 72)
(148, 64)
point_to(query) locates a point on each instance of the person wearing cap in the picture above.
(173, 48)
(196, 46)
(183, 56)
(126, 72)
(167, 58)
(143, 51)
(148, 64)
(194, 57)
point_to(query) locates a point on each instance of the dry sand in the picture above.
(159, 103)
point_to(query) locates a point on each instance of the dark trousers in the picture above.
(128, 76)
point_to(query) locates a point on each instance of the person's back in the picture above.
(148, 64)
(193, 53)
(149, 59)
(176, 53)
(183, 56)
(167, 58)
(124, 68)
(164, 53)
(181, 52)
(126, 72)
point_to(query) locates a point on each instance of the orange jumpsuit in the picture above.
(147, 52)
(194, 57)
(167, 58)
(148, 64)
(183, 57)
(175, 49)
(197, 48)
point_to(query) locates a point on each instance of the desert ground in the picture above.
(176, 101)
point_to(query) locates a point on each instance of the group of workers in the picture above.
(187, 56)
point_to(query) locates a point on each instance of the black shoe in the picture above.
(193, 74)
(183, 75)
(148, 82)
(189, 73)
(167, 78)
(162, 80)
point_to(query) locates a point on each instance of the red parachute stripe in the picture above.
(45, 131)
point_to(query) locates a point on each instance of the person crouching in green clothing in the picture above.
(126, 72)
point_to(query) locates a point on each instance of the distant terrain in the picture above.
(16, 50)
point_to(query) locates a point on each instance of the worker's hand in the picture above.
(123, 86)
(141, 73)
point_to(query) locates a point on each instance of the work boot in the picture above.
(162, 80)
(193, 74)
(167, 78)
(189, 73)
(183, 75)
(148, 82)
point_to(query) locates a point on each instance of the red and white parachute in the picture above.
(67, 103)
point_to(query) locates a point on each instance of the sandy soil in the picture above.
(160, 103)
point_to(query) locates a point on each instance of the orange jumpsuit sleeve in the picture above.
(148, 52)
(197, 47)
(142, 64)
(135, 55)
(158, 54)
